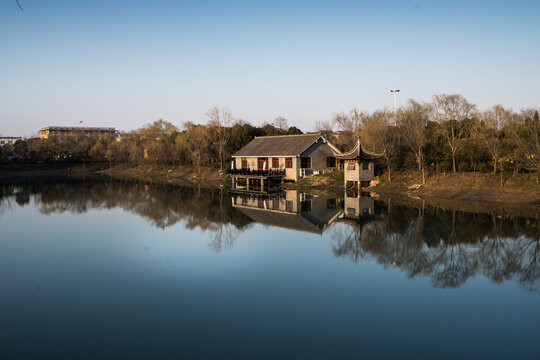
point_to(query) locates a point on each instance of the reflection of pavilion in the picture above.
(357, 210)
(290, 209)
(356, 206)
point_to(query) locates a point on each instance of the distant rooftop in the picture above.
(76, 128)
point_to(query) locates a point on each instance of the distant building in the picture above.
(9, 140)
(45, 131)
(294, 155)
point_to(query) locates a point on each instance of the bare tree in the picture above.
(527, 137)
(281, 123)
(349, 124)
(351, 121)
(490, 133)
(221, 119)
(414, 119)
(450, 111)
(323, 126)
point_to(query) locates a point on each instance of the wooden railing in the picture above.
(248, 172)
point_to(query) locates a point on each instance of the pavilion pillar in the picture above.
(262, 185)
(247, 184)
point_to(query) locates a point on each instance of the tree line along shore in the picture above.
(446, 135)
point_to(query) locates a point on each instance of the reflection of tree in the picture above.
(450, 263)
(162, 205)
(224, 235)
(530, 272)
(497, 255)
(347, 242)
(447, 246)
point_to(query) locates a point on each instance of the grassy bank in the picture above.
(329, 184)
(171, 174)
(520, 189)
(149, 173)
(513, 188)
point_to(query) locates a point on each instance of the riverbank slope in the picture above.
(147, 173)
(514, 188)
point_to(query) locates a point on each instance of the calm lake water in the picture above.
(111, 269)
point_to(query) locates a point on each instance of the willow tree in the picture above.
(193, 140)
(380, 136)
(413, 120)
(450, 110)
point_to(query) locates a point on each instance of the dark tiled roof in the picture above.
(285, 145)
(358, 153)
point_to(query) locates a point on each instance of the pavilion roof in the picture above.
(358, 153)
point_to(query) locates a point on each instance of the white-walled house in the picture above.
(296, 155)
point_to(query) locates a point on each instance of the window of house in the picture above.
(289, 205)
(330, 162)
(365, 166)
(305, 163)
(275, 163)
(275, 204)
(288, 163)
(263, 163)
(244, 163)
(350, 166)
(261, 203)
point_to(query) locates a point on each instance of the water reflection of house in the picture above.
(290, 209)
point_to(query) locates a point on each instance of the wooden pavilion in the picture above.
(359, 166)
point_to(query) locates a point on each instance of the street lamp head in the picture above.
(394, 90)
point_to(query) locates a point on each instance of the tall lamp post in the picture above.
(395, 91)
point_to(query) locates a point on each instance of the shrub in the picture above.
(395, 165)
(483, 167)
(464, 166)
(445, 165)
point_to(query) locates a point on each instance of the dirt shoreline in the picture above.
(462, 187)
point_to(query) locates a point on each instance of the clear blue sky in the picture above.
(127, 63)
